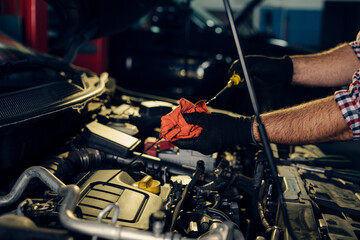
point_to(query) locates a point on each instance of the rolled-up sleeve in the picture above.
(349, 100)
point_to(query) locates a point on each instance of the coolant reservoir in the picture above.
(121, 123)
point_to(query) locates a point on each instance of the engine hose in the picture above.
(152, 162)
(68, 165)
(199, 170)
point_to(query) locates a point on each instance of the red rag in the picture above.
(174, 126)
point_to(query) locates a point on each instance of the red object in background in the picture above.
(96, 62)
(34, 14)
(35, 19)
(10, 7)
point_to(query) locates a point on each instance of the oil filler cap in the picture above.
(147, 183)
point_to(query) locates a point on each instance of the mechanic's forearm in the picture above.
(313, 122)
(329, 69)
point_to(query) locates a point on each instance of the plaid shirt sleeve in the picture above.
(349, 100)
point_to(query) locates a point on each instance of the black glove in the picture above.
(265, 70)
(219, 132)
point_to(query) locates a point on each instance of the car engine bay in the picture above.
(104, 186)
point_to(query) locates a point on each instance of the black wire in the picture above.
(136, 158)
(139, 156)
(220, 213)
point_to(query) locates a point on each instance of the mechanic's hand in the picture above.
(265, 70)
(219, 132)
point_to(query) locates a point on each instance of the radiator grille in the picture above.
(32, 100)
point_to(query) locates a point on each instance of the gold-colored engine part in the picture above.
(147, 183)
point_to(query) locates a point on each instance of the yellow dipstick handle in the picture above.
(235, 79)
(147, 183)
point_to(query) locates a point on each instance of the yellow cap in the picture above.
(147, 183)
(235, 79)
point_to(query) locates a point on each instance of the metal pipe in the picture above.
(107, 209)
(71, 194)
(249, 85)
(39, 172)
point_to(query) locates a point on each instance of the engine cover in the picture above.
(136, 205)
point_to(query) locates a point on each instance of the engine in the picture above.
(115, 180)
